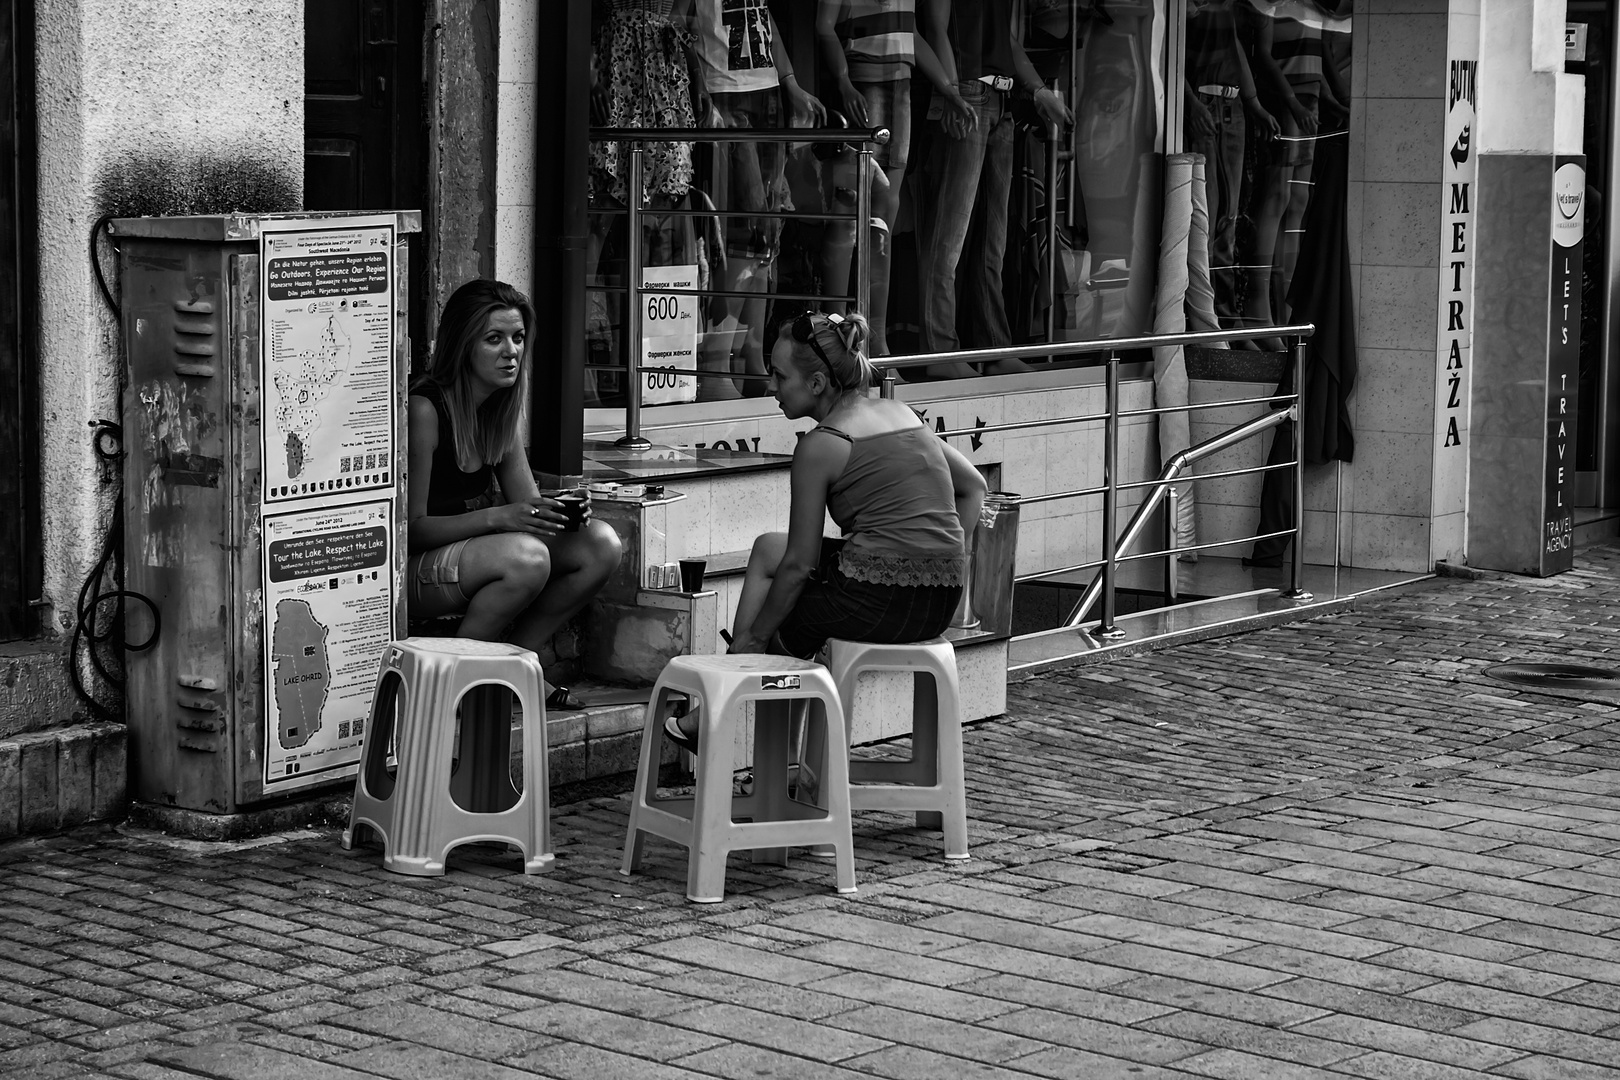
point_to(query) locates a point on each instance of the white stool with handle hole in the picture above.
(712, 823)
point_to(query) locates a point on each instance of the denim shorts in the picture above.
(436, 573)
(835, 606)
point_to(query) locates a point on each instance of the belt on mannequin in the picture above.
(1003, 83)
(1214, 90)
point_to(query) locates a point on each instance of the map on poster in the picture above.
(327, 357)
(329, 611)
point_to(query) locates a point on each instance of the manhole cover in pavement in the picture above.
(1560, 676)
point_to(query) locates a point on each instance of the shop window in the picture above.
(1267, 104)
(960, 250)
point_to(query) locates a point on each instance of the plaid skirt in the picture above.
(835, 606)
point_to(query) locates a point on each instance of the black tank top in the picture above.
(981, 31)
(450, 489)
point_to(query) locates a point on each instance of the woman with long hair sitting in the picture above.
(903, 498)
(513, 571)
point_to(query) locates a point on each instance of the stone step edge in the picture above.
(36, 693)
(51, 780)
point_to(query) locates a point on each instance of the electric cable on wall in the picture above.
(103, 643)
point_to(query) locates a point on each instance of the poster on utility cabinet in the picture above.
(328, 613)
(327, 352)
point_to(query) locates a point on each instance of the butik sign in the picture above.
(1563, 363)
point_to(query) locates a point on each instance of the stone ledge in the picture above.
(35, 691)
(52, 780)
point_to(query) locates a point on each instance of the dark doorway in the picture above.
(1590, 51)
(363, 116)
(19, 371)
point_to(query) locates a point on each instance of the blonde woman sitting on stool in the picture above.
(513, 572)
(903, 497)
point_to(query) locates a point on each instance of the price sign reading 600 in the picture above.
(662, 308)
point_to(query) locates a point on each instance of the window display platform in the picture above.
(607, 463)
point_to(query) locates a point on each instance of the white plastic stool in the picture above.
(438, 799)
(932, 782)
(706, 823)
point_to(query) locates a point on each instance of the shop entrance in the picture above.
(1591, 51)
(363, 116)
(19, 425)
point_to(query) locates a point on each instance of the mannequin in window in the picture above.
(870, 47)
(1288, 56)
(746, 79)
(976, 43)
(639, 79)
(1220, 93)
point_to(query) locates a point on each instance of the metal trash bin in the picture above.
(987, 596)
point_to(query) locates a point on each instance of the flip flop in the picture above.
(673, 732)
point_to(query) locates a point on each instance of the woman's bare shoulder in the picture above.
(423, 418)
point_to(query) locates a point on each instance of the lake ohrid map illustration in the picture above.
(302, 671)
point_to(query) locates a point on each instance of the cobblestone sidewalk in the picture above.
(1331, 848)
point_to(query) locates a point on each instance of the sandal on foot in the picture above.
(562, 699)
(673, 732)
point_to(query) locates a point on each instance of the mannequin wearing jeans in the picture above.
(1220, 90)
(870, 47)
(971, 166)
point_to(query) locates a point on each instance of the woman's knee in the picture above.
(768, 550)
(528, 564)
(604, 548)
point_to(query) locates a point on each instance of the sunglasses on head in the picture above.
(804, 332)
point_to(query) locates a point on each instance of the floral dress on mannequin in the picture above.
(641, 64)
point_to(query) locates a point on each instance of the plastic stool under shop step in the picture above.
(933, 782)
(706, 823)
(437, 798)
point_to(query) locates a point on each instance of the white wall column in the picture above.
(143, 108)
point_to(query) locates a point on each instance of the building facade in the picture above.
(1403, 170)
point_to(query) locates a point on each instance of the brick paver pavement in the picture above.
(1330, 848)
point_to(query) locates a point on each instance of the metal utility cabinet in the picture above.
(264, 499)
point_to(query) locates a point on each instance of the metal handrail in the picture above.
(890, 364)
(1076, 493)
(1022, 425)
(879, 135)
(1103, 584)
(1096, 564)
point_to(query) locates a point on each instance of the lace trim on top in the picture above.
(893, 568)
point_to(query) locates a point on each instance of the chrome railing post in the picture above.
(1172, 507)
(632, 324)
(1106, 629)
(864, 164)
(1296, 572)
(1054, 136)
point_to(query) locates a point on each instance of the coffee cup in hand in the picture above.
(574, 504)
